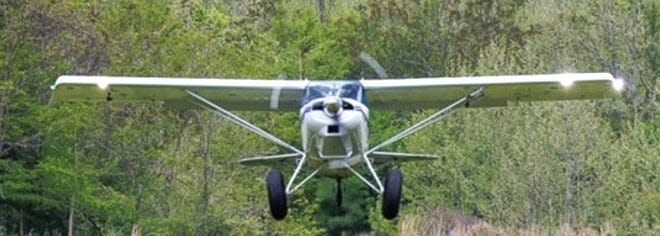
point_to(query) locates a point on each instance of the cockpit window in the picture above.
(344, 89)
(350, 91)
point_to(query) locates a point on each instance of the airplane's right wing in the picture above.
(232, 94)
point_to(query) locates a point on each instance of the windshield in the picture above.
(343, 89)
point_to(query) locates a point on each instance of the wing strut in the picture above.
(249, 126)
(439, 115)
(380, 187)
(243, 123)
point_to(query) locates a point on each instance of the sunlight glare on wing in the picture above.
(618, 84)
(102, 83)
(566, 82)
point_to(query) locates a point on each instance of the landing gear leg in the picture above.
(338, 198)
(392, 193)
(276, 194)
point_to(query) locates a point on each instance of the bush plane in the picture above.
(334, 115)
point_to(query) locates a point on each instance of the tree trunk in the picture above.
(135, 230)
(301, 69)
(20, 223)
(206, 153)
(71, 218)
(208, 127)
(323, 18)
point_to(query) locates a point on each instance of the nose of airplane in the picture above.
(332, 106)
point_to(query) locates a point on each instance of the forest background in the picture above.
(543, 167)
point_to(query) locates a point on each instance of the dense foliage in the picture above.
(570, 167)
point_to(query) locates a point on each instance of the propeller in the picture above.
(373, 63)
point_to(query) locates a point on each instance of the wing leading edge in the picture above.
(499, 90)
(233, 94)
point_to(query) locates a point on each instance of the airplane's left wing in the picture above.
(232, 94)
(422, 93)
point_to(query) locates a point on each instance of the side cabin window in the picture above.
(343, 89)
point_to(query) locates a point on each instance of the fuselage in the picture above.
(334, 126)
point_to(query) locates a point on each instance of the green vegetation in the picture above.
(549, 168)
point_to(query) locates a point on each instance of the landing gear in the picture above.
(276, 194)
(392, 193)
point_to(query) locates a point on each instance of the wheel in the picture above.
(276, 194)
(392, 193)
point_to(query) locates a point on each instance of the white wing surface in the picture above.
(233, 94)
(401, 94)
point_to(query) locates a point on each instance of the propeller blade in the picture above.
(373, 63)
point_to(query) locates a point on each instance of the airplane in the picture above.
(334, 115)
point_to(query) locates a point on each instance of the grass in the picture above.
(439, 222)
